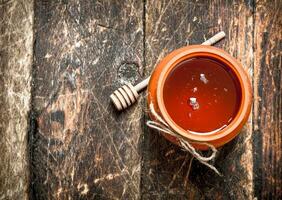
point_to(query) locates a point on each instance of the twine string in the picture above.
(160, 125)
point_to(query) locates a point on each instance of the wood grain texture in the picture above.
(268, 100)
(16, 41)
(165, 171)
(82, 148)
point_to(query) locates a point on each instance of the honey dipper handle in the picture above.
(214, 39)
(140, 86)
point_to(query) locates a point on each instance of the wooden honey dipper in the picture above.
(127, 95)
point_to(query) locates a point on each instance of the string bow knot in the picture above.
(160, 125)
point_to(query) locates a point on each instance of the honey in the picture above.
(202, 95)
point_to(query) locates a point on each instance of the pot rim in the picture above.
(230, 62)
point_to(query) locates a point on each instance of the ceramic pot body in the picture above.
(156, 85)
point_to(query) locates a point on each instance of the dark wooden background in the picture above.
(62, 139)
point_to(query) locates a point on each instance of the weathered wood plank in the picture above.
(82, 148)
(16, 40)
(165, 169)
(268, 100)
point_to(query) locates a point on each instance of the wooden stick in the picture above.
(128, 94)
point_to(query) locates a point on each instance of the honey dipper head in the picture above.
(124, 97)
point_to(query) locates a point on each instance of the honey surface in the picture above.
(202, 95)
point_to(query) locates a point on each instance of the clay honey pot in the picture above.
(202, 93)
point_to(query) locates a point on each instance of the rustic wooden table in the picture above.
(62, 139)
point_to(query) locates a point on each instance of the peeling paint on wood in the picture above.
(268, 100)
(16, 40)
